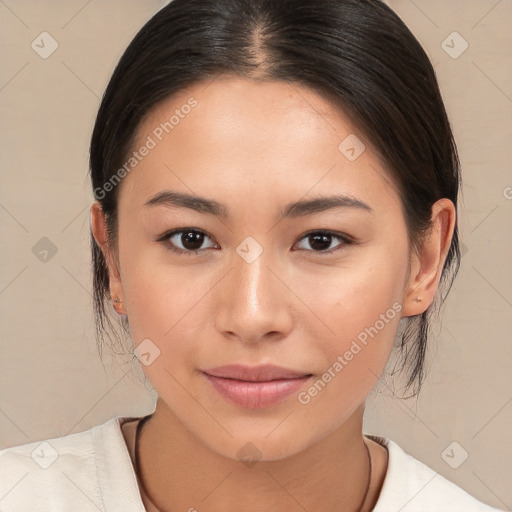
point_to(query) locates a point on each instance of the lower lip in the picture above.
(256, 395)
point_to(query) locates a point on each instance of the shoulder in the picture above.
(78, 471)
(412, 486)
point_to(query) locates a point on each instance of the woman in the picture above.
(276, 189)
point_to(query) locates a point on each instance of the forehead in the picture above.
(238, 136)
(233, 105)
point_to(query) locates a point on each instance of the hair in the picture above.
(356, 53)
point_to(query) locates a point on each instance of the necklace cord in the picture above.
(136, 455)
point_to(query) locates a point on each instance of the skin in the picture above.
(255, 147)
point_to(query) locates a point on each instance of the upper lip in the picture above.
(259, 373)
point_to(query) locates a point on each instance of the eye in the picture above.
(185, 240)
(320, 241)
(190, 241)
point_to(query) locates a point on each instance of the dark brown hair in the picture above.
(357, 53)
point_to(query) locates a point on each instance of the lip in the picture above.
(255, 387)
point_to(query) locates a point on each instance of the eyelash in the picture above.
(165, 240)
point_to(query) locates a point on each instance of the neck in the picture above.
(180, 473)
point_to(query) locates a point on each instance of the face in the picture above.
(240, 277)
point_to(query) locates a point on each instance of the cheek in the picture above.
(156, 292)
(164, 306)
(361, 305)
(156, 298)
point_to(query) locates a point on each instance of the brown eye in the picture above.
(321, 241)
(185, 241)
(191, 240)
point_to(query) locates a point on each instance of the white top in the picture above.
(93, 471)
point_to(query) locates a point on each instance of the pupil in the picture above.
(191, 238)
(321, 239)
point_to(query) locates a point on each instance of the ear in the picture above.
(100, 234)
(427, 264)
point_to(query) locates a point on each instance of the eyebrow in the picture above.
(172, 199)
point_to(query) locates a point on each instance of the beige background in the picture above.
(52, 381)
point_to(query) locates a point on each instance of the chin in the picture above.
(262, 444)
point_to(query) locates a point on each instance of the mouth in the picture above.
(255, 387)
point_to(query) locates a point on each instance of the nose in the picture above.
(253, 303)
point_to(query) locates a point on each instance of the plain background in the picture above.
(52, 380)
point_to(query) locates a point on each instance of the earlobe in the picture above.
(427, 265)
